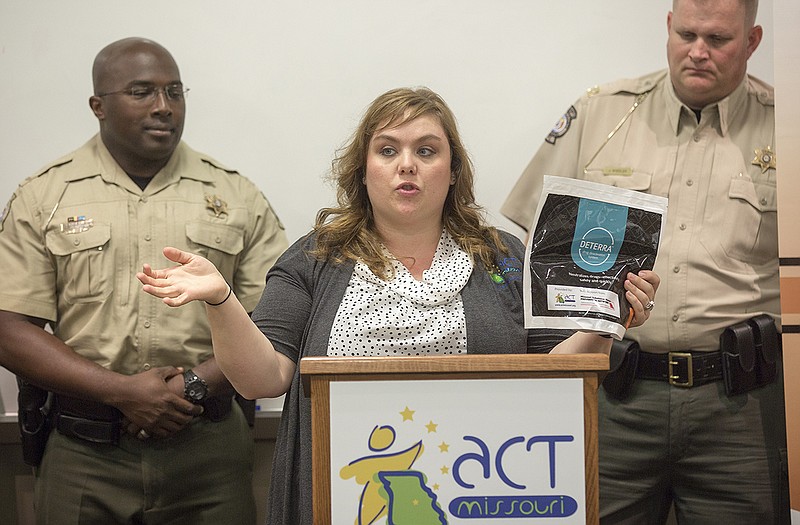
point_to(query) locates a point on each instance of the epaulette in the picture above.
(764, 92)
(638, 87)
(66, 159)
(215, 163)
(634, 86)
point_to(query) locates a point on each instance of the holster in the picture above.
(622, 363)
(34, 420)
(750, 351)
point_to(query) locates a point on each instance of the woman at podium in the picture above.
(405, 264)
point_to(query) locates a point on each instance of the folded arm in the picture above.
(146, 399)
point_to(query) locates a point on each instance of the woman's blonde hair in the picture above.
(347, 231)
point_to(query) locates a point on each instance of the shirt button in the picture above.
(76, 242)
(763, 201)
(682, 226)
(218, 240)
(147, 237)
(690, 182)
(143, 199)
(675, 317)
(147, 324)
(146, 367)
(696, 138)
(677, 269)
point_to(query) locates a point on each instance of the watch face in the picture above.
(196, 391)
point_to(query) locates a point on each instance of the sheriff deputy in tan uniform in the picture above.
(145, 427)
(702, 134)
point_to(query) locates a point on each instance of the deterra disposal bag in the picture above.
(586, 237)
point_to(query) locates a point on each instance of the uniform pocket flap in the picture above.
(763, 198)
(219, 237)
(60, 243)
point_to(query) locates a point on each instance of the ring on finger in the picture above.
(650, 305)
(143, 434)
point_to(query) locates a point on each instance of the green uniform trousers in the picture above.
(718, 459)
(202, 475)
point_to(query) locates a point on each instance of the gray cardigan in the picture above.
(296, 313)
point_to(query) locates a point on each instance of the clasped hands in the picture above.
(153, 403)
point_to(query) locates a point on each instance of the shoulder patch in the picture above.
(562, 126)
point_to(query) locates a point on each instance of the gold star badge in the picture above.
(216, 204)
(765, 158)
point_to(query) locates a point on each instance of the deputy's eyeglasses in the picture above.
(174, 93)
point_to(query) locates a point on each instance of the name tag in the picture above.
(618, 172)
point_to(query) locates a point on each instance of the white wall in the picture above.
(278, 86)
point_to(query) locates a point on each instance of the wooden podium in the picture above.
(319, 373)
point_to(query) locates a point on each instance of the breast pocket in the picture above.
(84, 264)
(219, 243)
(750, 226)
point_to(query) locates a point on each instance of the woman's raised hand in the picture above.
(195, 278)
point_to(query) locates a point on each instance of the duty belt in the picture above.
(684, 369)
(99, 423)
(87, 420)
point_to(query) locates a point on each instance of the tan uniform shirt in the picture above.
(75, 235)
(718, 261)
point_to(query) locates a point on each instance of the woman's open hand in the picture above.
(195, 278)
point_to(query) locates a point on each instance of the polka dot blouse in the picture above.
(405, 316)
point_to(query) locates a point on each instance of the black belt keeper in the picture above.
(683, 369)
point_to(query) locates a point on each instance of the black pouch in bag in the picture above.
(622, 363)
(749, 354)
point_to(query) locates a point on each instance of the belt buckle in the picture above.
(675, 379)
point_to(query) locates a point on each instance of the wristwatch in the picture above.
(194, 388)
